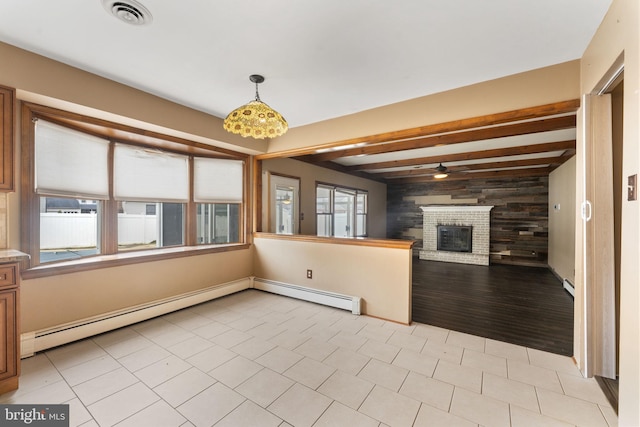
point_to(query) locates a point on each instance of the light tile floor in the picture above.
(257, 359)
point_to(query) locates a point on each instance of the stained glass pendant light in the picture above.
(256, 119)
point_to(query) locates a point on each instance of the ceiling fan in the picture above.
(438, 172)
(441, 172)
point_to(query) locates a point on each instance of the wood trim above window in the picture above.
(123, 133)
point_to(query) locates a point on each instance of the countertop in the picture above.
(12, 255)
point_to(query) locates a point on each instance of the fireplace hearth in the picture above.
(455, 238)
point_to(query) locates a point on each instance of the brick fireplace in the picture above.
(476, 217)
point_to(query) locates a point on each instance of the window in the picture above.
(65, 231)
(218, 197)
(90, 194)
(341, 212)
(218, 223)
(69, 167)
(144, 181)
(143, 225)
(324, 210)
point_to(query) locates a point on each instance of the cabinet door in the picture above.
(6, 138)
(8, 334)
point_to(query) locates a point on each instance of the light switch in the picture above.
(632, 193)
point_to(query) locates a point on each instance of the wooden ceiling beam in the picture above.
(416, 172)
(551, 161)
(477, 175)
(475, 155)
(547, 110)
(340, 168)
(507, 130)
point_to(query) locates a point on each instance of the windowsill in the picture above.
(126, 258)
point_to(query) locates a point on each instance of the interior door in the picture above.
(284, 204)
(595, 268)
(344, 213)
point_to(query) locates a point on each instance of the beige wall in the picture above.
(380, 276)
(47, 82)
(55, 300)
(52, 83)
(310, 174)
(562, 231)
(50, 301)
(619, 34)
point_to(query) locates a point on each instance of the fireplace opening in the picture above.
(454, 238)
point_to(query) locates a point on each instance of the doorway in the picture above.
(284, 204)
(609, 385)
(601, 230)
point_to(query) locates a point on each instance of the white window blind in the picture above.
(70, 163)
(217, 180)
(148, 175)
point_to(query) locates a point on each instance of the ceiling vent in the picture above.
(129, 11)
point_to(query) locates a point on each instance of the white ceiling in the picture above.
(321, 58)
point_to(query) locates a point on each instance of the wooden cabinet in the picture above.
(9, 328)
(7, 96)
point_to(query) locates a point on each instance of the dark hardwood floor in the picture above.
(520, 305)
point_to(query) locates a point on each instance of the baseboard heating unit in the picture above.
(35, 341)
(568, 287)
(345, 302)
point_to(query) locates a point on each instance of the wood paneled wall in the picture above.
(519, 219)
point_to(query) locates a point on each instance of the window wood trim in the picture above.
(30, 224)
(7, 101)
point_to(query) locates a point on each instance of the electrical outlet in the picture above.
(309, 274)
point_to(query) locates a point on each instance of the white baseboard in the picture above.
(35, 341)
(345, 302)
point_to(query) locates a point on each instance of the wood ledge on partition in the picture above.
(355, 241)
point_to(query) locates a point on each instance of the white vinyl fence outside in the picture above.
(78, 230)
(137, 229)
